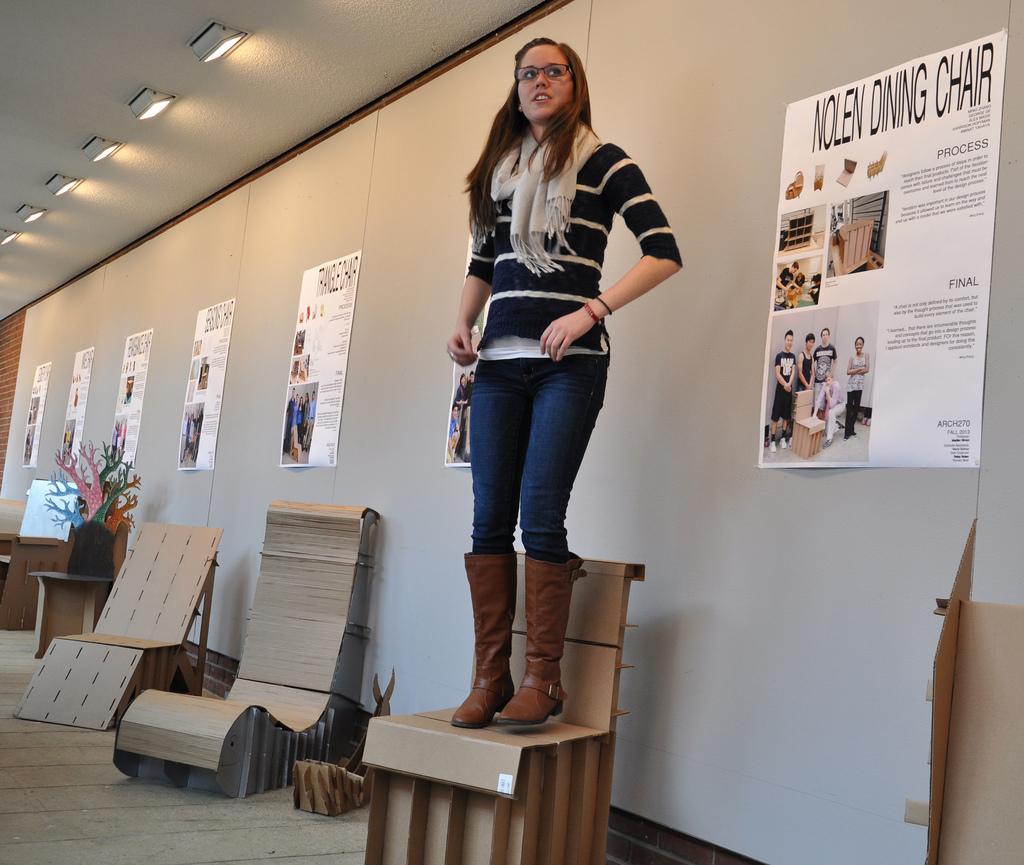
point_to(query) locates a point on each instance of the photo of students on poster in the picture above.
(458, 450)
(34, 422)
(318, 363)
(131, 392)
(881, 266)
(831, 377)
(204, 387)
(78, 397)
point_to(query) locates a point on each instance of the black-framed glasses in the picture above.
(553, 72)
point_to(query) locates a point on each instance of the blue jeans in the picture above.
(532, 420)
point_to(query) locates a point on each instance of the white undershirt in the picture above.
(509, 347)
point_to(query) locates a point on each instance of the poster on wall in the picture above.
(204, 387)
(78, 396)
(37, 402)
(881, 267)
(457, 449)
(131, 390)
(319, 360)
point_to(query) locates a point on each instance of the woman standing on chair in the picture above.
(542, 198)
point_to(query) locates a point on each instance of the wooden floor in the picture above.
(62, 802)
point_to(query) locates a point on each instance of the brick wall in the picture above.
(636, 841)
(11, 329)
(221, 670)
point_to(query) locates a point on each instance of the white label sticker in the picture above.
(504, 783)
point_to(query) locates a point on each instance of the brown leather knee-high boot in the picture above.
(548, 594)
(492, 587)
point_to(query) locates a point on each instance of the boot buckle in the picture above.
(555, 691)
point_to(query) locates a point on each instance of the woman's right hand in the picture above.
(460, 346)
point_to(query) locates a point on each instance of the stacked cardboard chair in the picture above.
(807, 429)
(515, 796)
(87, 680)
(300, 676)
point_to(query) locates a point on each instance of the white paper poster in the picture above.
(457, 449)
(204, 389)
(131, 390)
(78, 396)
(319, 360)
(881, 267)
(37, 403)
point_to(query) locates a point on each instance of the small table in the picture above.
(68, 604)
(6, 539)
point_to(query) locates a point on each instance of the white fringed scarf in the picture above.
(540, 208)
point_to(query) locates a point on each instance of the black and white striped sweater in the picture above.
(523, 304)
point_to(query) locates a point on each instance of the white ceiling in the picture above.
(68, 70)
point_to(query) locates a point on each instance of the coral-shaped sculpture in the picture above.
(104, 483)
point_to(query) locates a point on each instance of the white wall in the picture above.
(777, 705)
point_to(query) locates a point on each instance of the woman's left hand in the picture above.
(563, 332)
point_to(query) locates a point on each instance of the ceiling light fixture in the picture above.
(149, 103)
(97, 148)
(59, 184)
(28, 213)
(215, 40)
(7, 236)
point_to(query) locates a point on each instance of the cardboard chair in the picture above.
(851, 246)
(849, 167)
(11, 513)
(803, 404)
(807, 436)
(977, 754)
(20, 589)
(87, 680)
(300, 677)
(70, 603)
(796, 187)
(876, 168)
(511, 795)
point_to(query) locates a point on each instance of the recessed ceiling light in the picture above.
(7, 236)
(59, 184)
(149, 103)
(97, 148)
(215, 41)
(28, 213)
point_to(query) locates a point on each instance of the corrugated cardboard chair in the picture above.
(11, 513)
(300, 677)
(977, 752)
(20, 590)
(851, 246)
(73, 602)
(498, 795)
(87, 680)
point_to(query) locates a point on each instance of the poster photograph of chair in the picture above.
(857, 232)
(827, 415)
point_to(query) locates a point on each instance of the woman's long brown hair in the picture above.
(509, 126)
